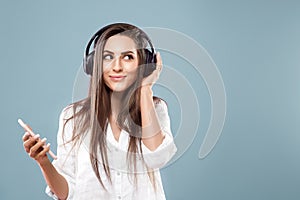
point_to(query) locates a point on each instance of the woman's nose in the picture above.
(117, 65)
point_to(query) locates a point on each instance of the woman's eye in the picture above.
(107, 57)
(128, 57)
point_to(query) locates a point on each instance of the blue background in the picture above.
(255, 44)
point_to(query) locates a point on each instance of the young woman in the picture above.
(111, 144)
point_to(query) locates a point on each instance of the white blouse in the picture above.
(74, 164)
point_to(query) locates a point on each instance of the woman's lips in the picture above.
(116, 78)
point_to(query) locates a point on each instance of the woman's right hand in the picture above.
(36, 147)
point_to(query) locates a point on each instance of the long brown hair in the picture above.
(92, 113)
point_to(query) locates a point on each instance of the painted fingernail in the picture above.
(44, 139)
(48, 145)
(36, 136)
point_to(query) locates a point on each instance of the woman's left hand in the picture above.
(153, 77)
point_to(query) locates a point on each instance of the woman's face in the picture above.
(120, 63)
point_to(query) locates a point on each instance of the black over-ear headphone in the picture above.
(88, 59)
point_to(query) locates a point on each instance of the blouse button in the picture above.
(119, 197)
(118, 173)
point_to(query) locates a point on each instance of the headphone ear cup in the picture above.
(150, 64)
(88, 63)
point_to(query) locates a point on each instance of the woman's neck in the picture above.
(116, 101)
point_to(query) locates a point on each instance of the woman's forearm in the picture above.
(54, 180)
(152, 135)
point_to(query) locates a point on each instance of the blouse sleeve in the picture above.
(166, 150)
(66, 157)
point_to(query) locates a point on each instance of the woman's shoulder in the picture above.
(159, 103)
(67, 111)
(73, 109)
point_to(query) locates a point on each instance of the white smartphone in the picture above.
(26, 127)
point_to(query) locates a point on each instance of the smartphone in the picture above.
(26, 128)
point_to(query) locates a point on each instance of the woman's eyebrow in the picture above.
(127, 52)
(107, 51)
(122, 53)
